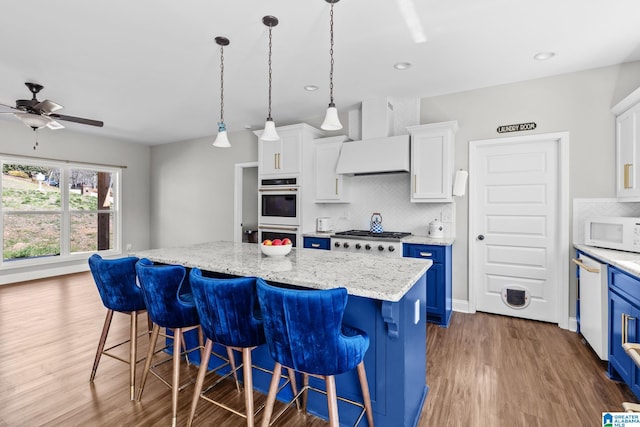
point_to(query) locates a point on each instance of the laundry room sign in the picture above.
(516, 128)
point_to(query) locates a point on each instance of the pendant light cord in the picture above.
(221, 84)
(331, 55)
(270, 45)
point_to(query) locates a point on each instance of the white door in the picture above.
(516, 242)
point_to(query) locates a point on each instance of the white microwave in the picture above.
(621, 233)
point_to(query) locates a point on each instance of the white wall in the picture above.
(68, 144)
(192, 189)
(579, 103)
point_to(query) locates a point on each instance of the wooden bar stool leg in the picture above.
(332, 401)
(101, 343)
(202, 372)
(294, 386)
(305, 393)
(248, 384)
(147, 363)
(232, 362)
(133, 349)
(366, 397)
(271, 397)
(175, 384)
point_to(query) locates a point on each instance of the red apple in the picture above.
(276, 242)
(267, 242)
(286, 241)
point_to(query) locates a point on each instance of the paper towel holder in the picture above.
(460, 183)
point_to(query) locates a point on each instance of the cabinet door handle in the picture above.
(625, 327)
(315, 245)
(275, 161)
(627, 175)
(584, 266)
(336, 186)
(415, 184)
(425, 254)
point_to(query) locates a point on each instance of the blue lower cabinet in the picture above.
(317, 243)
(624, 326)
(438, 279)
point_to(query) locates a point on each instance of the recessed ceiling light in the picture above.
(248, 127)
(543, 56)
(310, 88)
(402, 65)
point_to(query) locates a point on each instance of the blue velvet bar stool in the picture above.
(229, 315)
(304, 331)
(116, 283)
(169, 307)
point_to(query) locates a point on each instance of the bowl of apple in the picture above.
(276, 247)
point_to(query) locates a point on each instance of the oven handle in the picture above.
(274, 227)
(278, 189)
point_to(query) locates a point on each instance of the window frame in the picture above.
(65, 212)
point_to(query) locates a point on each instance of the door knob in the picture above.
(480, 237)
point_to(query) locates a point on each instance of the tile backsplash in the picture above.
(587, 208)
(388, 194)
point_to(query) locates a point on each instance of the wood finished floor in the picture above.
(484, 370)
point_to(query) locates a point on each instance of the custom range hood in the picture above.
(381, 141)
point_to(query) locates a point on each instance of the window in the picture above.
(52, 211)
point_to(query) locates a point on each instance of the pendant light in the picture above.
(331, 120)
(269, 133)
(222, 140)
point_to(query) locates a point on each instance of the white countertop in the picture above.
(626, 261)
(421, 240)
(381, 278)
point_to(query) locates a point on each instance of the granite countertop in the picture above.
(626, 261)
(386, 279)
(421, 240)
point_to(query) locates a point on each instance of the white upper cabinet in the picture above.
(330, 187)
(283, 158)
(432, 153)
(628, 148)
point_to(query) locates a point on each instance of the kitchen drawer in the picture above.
(625, 285)
(317, 243)
(435, 253)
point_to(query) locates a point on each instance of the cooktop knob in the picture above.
(367, 247)
(336, 244)
(380, 248)
(345, 245)
(358, 245)
(391, 249)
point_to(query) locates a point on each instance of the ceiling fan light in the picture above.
(269, 133)
(222, 140)
(33, 120)
(331, 120)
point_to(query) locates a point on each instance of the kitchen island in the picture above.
(386, 299)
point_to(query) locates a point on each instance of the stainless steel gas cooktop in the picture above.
(368, 235)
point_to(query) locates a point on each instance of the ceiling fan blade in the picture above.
(4, 108)
(47, 107)
(54, 125)
(89, 122)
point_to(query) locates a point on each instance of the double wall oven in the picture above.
(279, 209)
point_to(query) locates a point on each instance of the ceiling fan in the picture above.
(38, 114)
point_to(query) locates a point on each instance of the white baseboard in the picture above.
(23, 276)
(460, 305)
(573, 324)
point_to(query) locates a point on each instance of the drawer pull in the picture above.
(315, 245)
(580, 264)
(426, 254)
